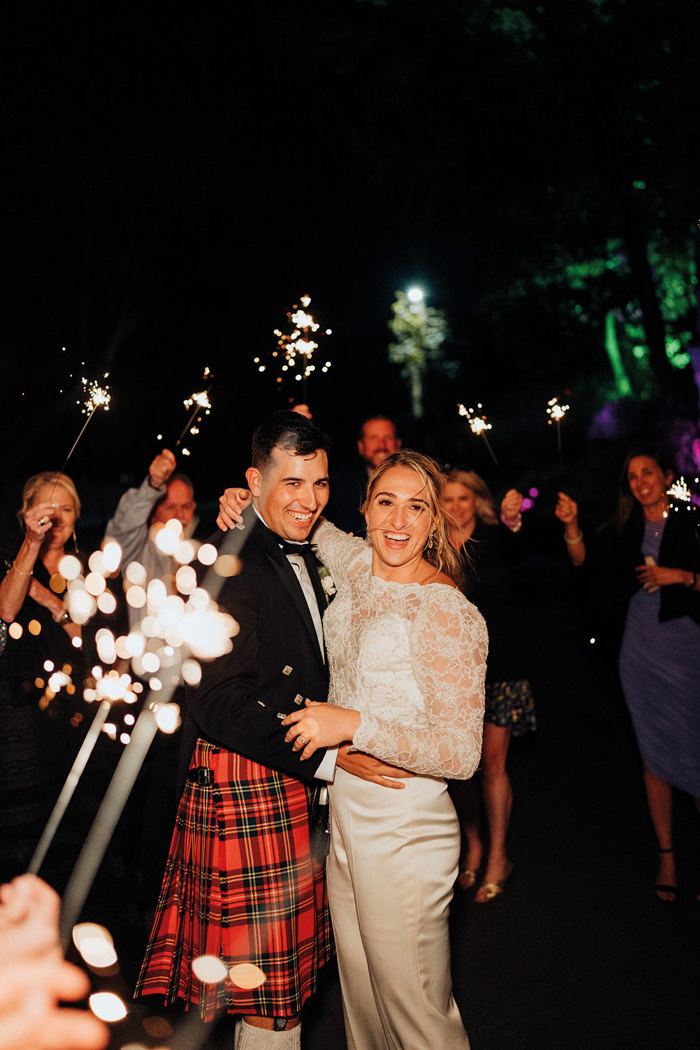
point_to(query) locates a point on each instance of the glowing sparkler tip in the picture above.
(478, 424)
(200, 398)
(97, 396)
(679, 490)
(555, 411)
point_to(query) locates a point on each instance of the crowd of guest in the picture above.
(426, 552)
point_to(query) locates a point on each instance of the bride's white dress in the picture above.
(411, 659)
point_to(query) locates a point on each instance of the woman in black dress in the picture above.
(39, 730)
(479, 539)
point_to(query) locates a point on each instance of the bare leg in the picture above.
(465, 796)
(498, 799)
(659, 799)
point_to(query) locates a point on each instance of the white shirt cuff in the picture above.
(326, 771)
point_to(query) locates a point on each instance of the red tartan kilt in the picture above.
(240, 884)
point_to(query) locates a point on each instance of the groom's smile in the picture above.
(291, 492)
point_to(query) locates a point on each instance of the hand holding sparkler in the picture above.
(38, 519)
(161, 468)
(511, 507)
(567, 512)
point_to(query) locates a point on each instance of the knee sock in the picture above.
(251, 1038)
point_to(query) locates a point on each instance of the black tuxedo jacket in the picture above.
(274, 665)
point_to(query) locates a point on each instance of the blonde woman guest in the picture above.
(476, 535)
(36, 740)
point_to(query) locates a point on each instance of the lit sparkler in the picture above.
(478, 424)
(679, 490)
(201, 405)
(557, 413)
(97, 397)
(295, 349)
(684, 498)
(196, 627)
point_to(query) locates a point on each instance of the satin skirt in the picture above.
(391, 868)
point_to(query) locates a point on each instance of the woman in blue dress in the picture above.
(652, 552)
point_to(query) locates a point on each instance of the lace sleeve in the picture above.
(449, 645)
(336, 549)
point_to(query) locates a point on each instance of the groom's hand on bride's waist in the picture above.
(368, 768)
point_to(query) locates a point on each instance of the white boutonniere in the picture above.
(327, 582)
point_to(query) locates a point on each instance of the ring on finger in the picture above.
(42, 521)
(302, 739)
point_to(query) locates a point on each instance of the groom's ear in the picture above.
(254, 479)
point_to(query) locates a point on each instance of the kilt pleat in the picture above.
(240, 884)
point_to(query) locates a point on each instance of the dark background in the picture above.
(175, 178)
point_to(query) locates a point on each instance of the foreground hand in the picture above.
(161, 468)
(366, 767)
(29, 910)
(30, 1015)
(566, 509)
(653, 576)
(35, 979)
(324, 726)
(231, 505)
(511, 505)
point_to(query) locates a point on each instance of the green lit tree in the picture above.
(419, 332)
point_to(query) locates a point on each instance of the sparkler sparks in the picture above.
(684, 498)
(200, 637)
(295, 349)
(679, 490)
(97, 396)
(201, 406)
(478, 424)
(555, 411)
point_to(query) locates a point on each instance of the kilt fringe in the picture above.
(240, 884)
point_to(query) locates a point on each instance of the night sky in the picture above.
(175, 179)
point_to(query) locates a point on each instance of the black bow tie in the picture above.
(289, 547)
(305, 551)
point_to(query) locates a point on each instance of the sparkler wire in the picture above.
(192, 418)
(58, 811)
(98, 398)
(117, 795)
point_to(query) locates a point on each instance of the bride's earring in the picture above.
(431, 538)
(75, 543)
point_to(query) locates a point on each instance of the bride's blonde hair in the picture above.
(440, 552)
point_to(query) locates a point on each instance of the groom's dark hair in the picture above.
(290, 431)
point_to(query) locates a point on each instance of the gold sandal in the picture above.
(466, 879)
(489, 890)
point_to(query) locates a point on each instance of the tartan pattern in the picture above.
(240, 884)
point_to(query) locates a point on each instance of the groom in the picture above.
(257, 891)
